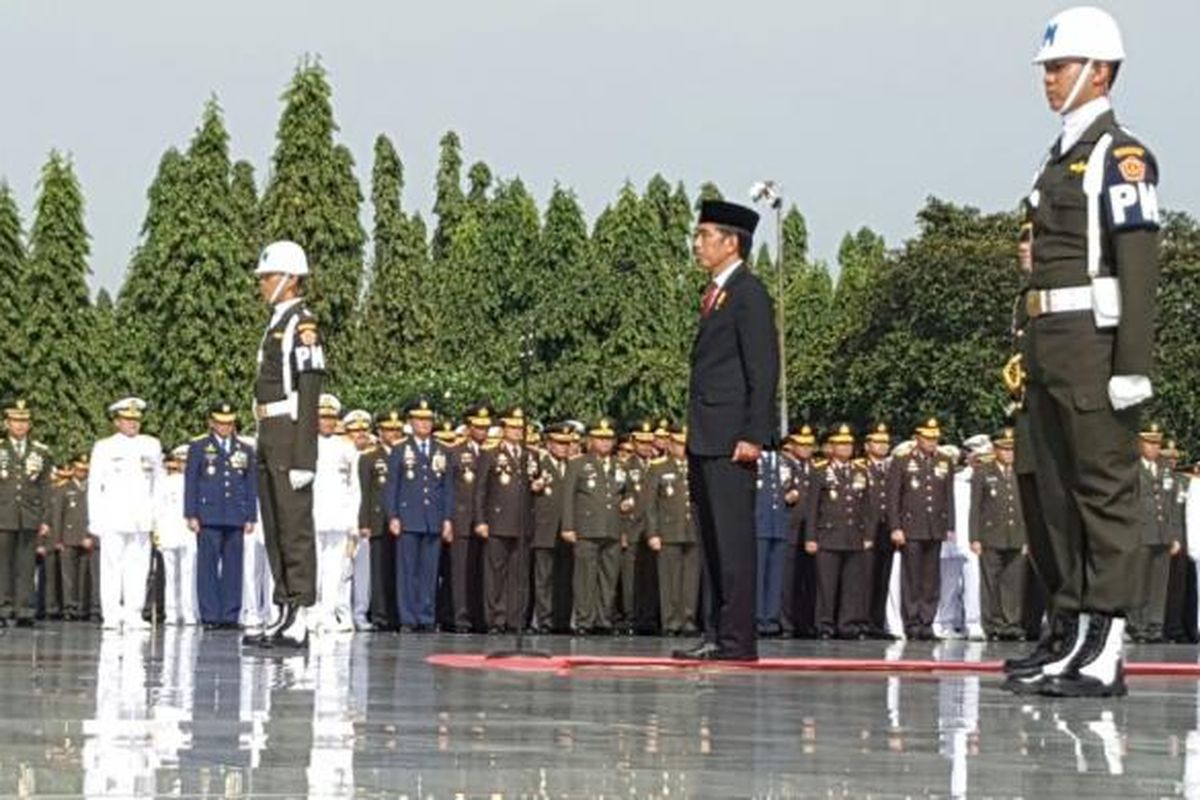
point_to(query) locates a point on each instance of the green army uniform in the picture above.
(24, 502)
(69, 531)
(669, 517)
(592, 492)
(998, 526)
(1156, 505)
(547, 525)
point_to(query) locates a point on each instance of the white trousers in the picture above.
(958, 600)
(258, 585)
(181, 604)
(894, 614)
(333, 590)
(124, 565)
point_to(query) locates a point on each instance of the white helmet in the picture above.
(1081, 32)
(284, 257)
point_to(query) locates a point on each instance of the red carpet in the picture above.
(564, 664)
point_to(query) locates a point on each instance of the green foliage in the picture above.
(1176, 379)
(54, 376)
(12, 264)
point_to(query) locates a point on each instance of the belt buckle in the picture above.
(1033, 304)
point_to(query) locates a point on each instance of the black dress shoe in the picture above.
(261, 639)
(705, 651)
(25, 622)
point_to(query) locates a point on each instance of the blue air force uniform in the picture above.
(220, 490)
(774, 533)
(420, 493)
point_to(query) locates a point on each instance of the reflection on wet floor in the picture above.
(183, 713)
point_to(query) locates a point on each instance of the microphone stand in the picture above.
(519, 650)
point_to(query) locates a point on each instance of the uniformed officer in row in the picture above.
(25, 467)
(1088, 352)
(798, 576)
(221, 506)
(357, 425)
(840, 539)
(502, 518)
(336, 503)
(1160, 541)
(921, 514)
(68, 521)
(176, 542)
(1178, 623)
(878, 461)
(671, 532)
(49, 602)
(773, 534)
(547, 490)
(373, 475)
(593, 490)
(126, 471)
(291, 368)
(462, 577)
(997, 535)
(637, 600)
(419, 503)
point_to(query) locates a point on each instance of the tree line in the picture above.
(604, 315)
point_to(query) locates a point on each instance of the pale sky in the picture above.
(860, 108)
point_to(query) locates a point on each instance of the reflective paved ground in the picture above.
(184, 713)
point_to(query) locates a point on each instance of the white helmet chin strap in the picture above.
(280, 286)
(1084, 74)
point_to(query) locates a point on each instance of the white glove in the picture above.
(1128, 390)
(299, 478)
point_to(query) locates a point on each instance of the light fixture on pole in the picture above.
(771, 193)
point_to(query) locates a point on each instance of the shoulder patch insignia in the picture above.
(1133, 169)
(1078, 168)
(1128, 150)
(199, 436)
(308, 336)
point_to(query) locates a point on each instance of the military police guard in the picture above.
(291, 366)
(1088, 350)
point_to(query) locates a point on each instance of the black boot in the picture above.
(1048, 648)
(266, 636)
(1098, 669)
(1032, 680)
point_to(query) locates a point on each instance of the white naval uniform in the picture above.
(121, 493)
(258, 585)
(336, 497)
(958, 600)
(181, 604)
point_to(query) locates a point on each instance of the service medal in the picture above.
(410, 475)
(504, 479)
(468, 476)
(833, 494)
(210, 470)
(915, 484)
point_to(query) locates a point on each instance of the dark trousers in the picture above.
(543, 587)
(787, 593)
(769, 593)
(1002, 591)
(454, 595)
(1087, 478)
(416, 576)
(881, 558)
(383, 582)
(503, 583)
(52, 582)
(287, 516)
(93, 585)
(1041, 548)
(842, 591)
(1176, 625)
(1146, 617)
(628, 580)
(219, 574)
(920, 582)
(724, 495)
(597, 564)
(18, 560)
(73, 564)
(678, 586)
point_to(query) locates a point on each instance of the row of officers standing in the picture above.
(497, 523)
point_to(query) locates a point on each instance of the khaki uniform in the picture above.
(997, 523)
(838, 509)
(669, 516)
(547, 525)
(1156, 504)
(372, 482)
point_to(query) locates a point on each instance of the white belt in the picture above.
(1057, 301)
(279, 408)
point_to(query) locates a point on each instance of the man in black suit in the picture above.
(731, 418)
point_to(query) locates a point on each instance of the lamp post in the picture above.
(771, 193)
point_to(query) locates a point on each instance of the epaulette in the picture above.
(40, 446)
(659, 460)
(987, 458)
(491, 446)
(370, 451)
(861, 463)
(199, 437)
(575, 457)
(820, 463)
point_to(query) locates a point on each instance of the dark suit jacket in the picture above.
(735, 370)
